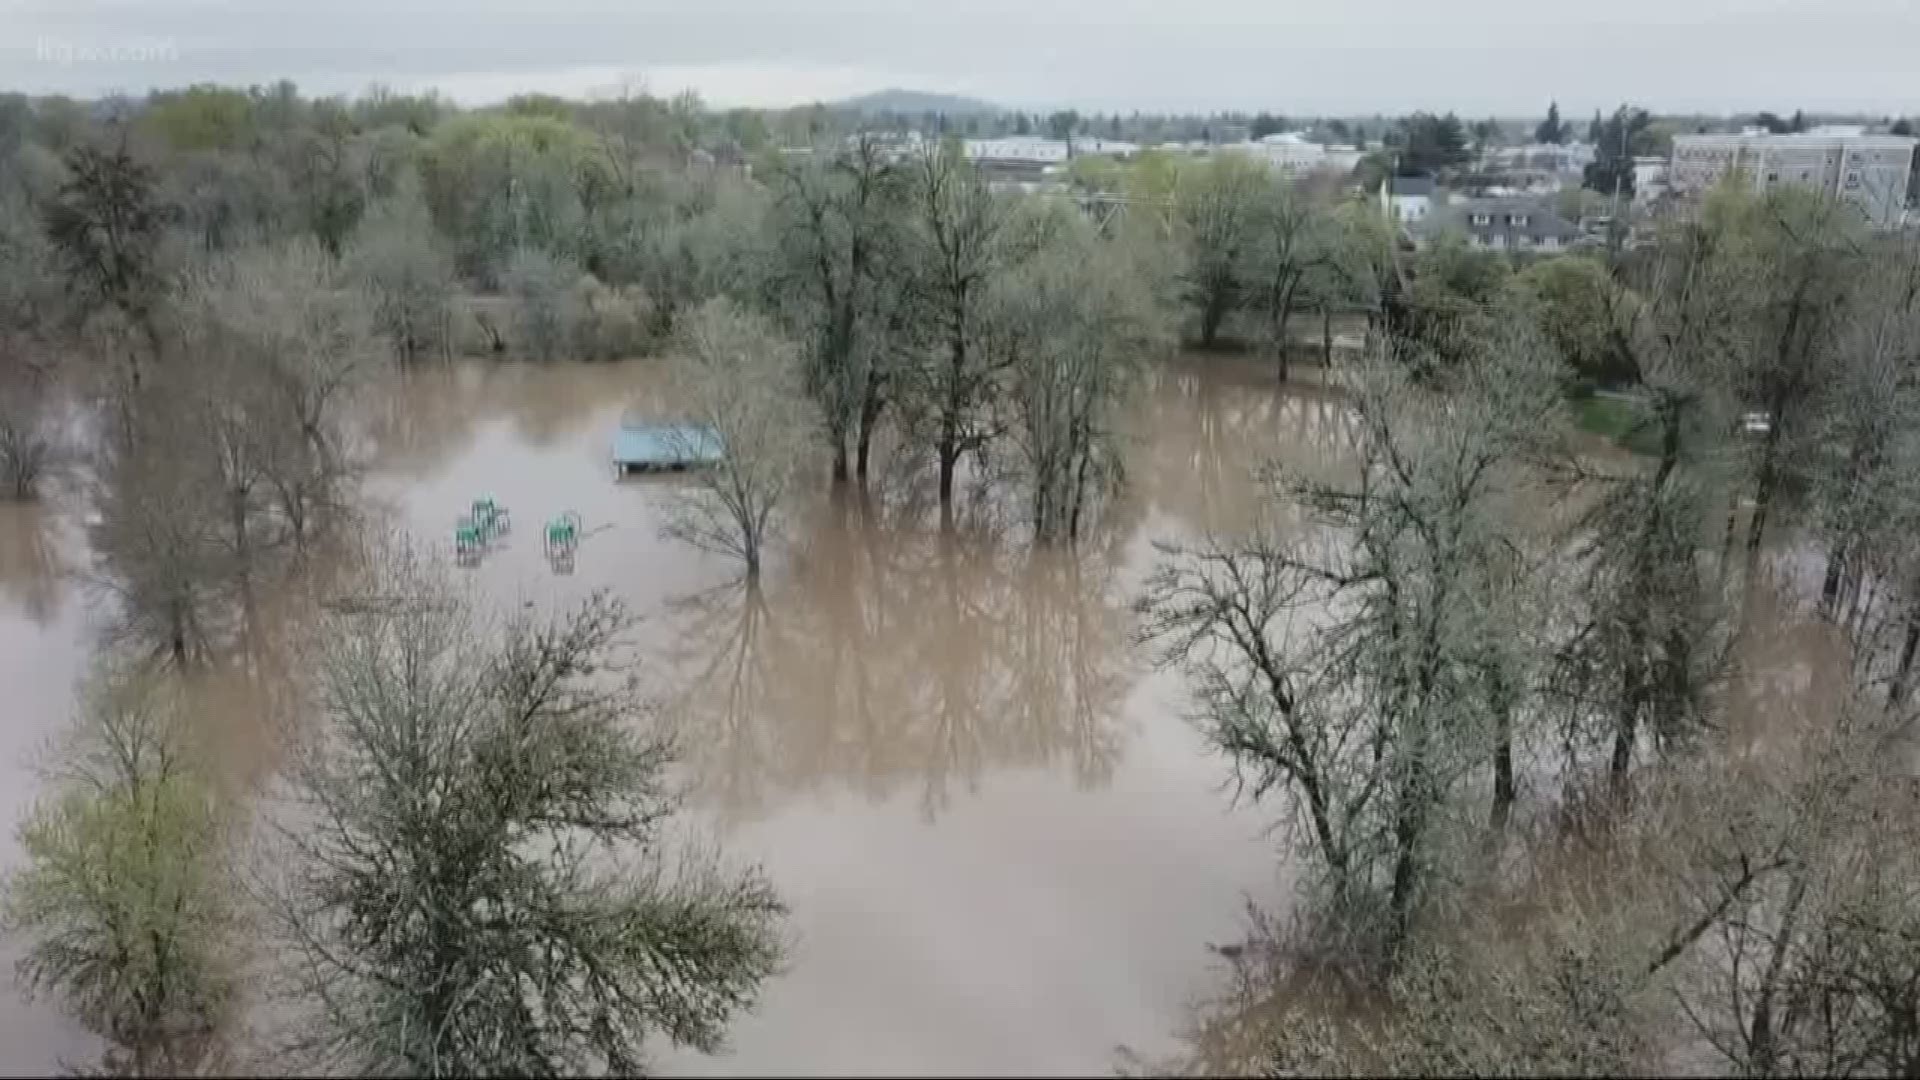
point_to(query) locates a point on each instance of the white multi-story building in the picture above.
(1548, 158)
(1869, 171)
(1035, 150)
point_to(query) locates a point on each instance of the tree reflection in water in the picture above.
(895, 659)
(31, 567)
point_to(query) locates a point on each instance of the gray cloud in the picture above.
(1476, 56)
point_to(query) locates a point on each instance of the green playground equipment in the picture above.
(563, 535)
(491, 518)
(468, 539)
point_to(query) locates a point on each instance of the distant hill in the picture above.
(916, 101)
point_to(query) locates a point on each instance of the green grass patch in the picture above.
(1618, 420)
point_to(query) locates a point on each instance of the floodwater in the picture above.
(1004, 848)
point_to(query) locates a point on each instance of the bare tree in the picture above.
(545, 313)
(957, 243)
(741, 382)
(1649, 633)
(838, 216)
(28, 311)
(1079, 322)
(1800, 253)
(470, 876)
(399, 264)
(1292, 240)
(158, 541)
(1354, 666)
(26, 432)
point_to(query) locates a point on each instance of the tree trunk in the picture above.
(869, 419)
(1212, 313)
(1830, 587)
(1626, 732)
(1503, 791)
(839, 460)
(1897, 690)
(949, 458)
(1326, 337)
(1283, 317)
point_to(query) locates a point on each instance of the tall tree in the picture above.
(957, 241)
(1079, 321)
(1372, 720)
(122, 902)
(1551, 130)
(743, 387)
(469, 879)
(1430, 144)
(839, 218)
(1291, 240)
(1215, 204)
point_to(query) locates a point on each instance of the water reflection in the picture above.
(887, 660)
(1208, 423)
(31, 561)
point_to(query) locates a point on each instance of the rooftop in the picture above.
(638, 445)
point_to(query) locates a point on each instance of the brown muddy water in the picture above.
(1005, 849)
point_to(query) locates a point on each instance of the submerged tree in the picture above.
(471, 877)
(399, 265)
(1216, 206)
(1080, 321)
(742, 387)
(837, 218)
(1651, 628)
(957, 244)
(1356, 654)
(1798, 253)
(122, 902)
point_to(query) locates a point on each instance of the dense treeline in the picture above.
(1523, 706)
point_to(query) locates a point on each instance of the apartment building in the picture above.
(1869, 171)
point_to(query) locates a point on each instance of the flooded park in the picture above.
(1005, 848)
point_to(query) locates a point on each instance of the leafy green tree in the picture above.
(1292, 240)
(470, 876)
(202, 118)
(1429, 144)
(1581, 309)
(104, 224)
(122, 903)
(1621, 137)
(1216, 204)
(1551, 130)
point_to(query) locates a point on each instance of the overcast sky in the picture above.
(1505, 57)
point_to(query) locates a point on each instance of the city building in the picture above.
(1408, 199)
(1545, 158)
(1522, 225)
(1869, 171)
(1649, 179)
(1035, 150)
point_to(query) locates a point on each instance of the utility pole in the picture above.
(1615, 227)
